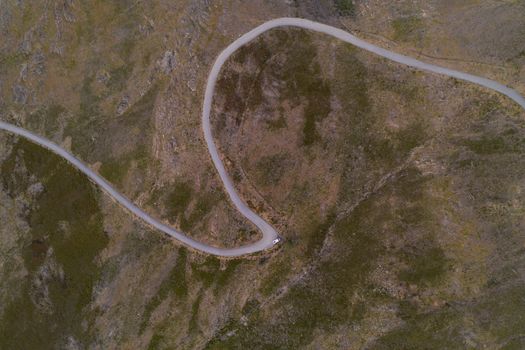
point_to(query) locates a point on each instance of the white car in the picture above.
(277, 240)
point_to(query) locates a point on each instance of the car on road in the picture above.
(277, 240)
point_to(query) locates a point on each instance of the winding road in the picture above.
(269, 233)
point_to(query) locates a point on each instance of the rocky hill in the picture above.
(399, 193)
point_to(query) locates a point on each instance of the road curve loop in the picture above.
(269, 233)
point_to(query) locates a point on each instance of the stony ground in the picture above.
(399, 193)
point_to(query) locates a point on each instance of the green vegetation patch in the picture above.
(427, 266)
(431, 330)
(66, 228)
(322, 301)
(118, 142)
(119, 77)
(491, 145)
(484, 181)
(299, 72)
(156, 341)
(243, 92)
(227, 85)
(325, 299)
(178, 199)
(129, 136)
(409, 137)
(398, 226)
(364, 134)
(275, 278)
(277, 124)
(345, 7)
(206, 272)
(406, 28)
(115, 170)
(193, 325)
(497, 313)
(46, 119)
(304, 83)
(175, 282)
(184, 205)
(204, 205)
(272, 168)
(224, 275)
(318, 231)
(210, 275)
(8, 60)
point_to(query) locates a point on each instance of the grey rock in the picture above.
(103, 77)
(72, 344)
(23, 72)
(25, 46)
(35, 189)
(146, 28)
(57, 48)
(68, 11)
(123, 105)
(20, 94)
(39, 63)
(168, 62)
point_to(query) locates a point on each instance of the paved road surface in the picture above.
(269, 233)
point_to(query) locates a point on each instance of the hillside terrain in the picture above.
(398, 193)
